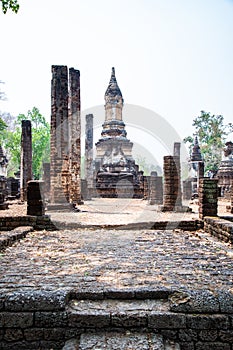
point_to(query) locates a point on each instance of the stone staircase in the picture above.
(120, 341)
(128, 321)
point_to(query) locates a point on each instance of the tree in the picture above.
(212, 133)
(3, 125)
(10, 5)
(146, 167)
(40, 141)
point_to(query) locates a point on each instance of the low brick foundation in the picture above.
(47, 320)
(220, 228)
(8, 223)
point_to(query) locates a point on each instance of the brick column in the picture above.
(208, 197)
(172, 189)
(156, 189)
(146, 185)
(89, 153)
(59, 134)
(46, 179)
(229, 208)
(75, 135)
(26, 158)
(187, 189)
(3, 193)
(35, 204)
(231, 197)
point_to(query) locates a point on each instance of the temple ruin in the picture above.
(225, 171)
(65, 180)
(117, 173)
(26, 158)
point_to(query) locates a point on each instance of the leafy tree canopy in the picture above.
(10, 5)
(212, 133)
(146, 167)
(11, 139)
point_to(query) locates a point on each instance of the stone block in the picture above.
(187, 346)
(51, 319)
(212, 346)
(226, 336)
(12, 335)
(129, 320)
(33, 334)
(208, 335)
(71, 344)
(226, 302)
(166, 320)
(194, 302)
(17, 319)
(188, 335)
(54, 333)
(207, 322)
(20, 345)
(36, 301)
(85, 320)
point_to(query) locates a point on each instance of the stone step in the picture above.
(120, 341)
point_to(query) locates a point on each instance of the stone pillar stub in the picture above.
(75, 136)
(187, 189)
(89, 175)
(35, 203)
(231, 196)
(201, 170)
(208, 197)
(146, 187)
(156, 189)
(46, 179)
(59, 134)
(176, 151)
(26, 158)
(172, 196)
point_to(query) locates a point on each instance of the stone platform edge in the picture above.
(221, 228)
(44, 222)
(44, 319)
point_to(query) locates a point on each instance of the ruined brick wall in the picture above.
(59, 134)
(75, 136)
(89, 151)
(26, 158)
(220, 228)
(208, 197)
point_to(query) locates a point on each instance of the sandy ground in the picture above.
(100, 211)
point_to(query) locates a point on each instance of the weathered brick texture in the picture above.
(172, 186)
(89, 152)
(59, 134)
(208, 197)
(74, 186)
(35, 200)
(26, 158)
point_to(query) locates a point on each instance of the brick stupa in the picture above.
(117, 173)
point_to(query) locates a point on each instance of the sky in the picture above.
(172, 57)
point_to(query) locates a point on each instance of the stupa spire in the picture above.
(113, 100)
(196, 151)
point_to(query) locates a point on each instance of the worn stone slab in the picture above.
(127, 340)
(36, 300)
(202, 301)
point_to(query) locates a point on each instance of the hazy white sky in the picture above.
(174, 57)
